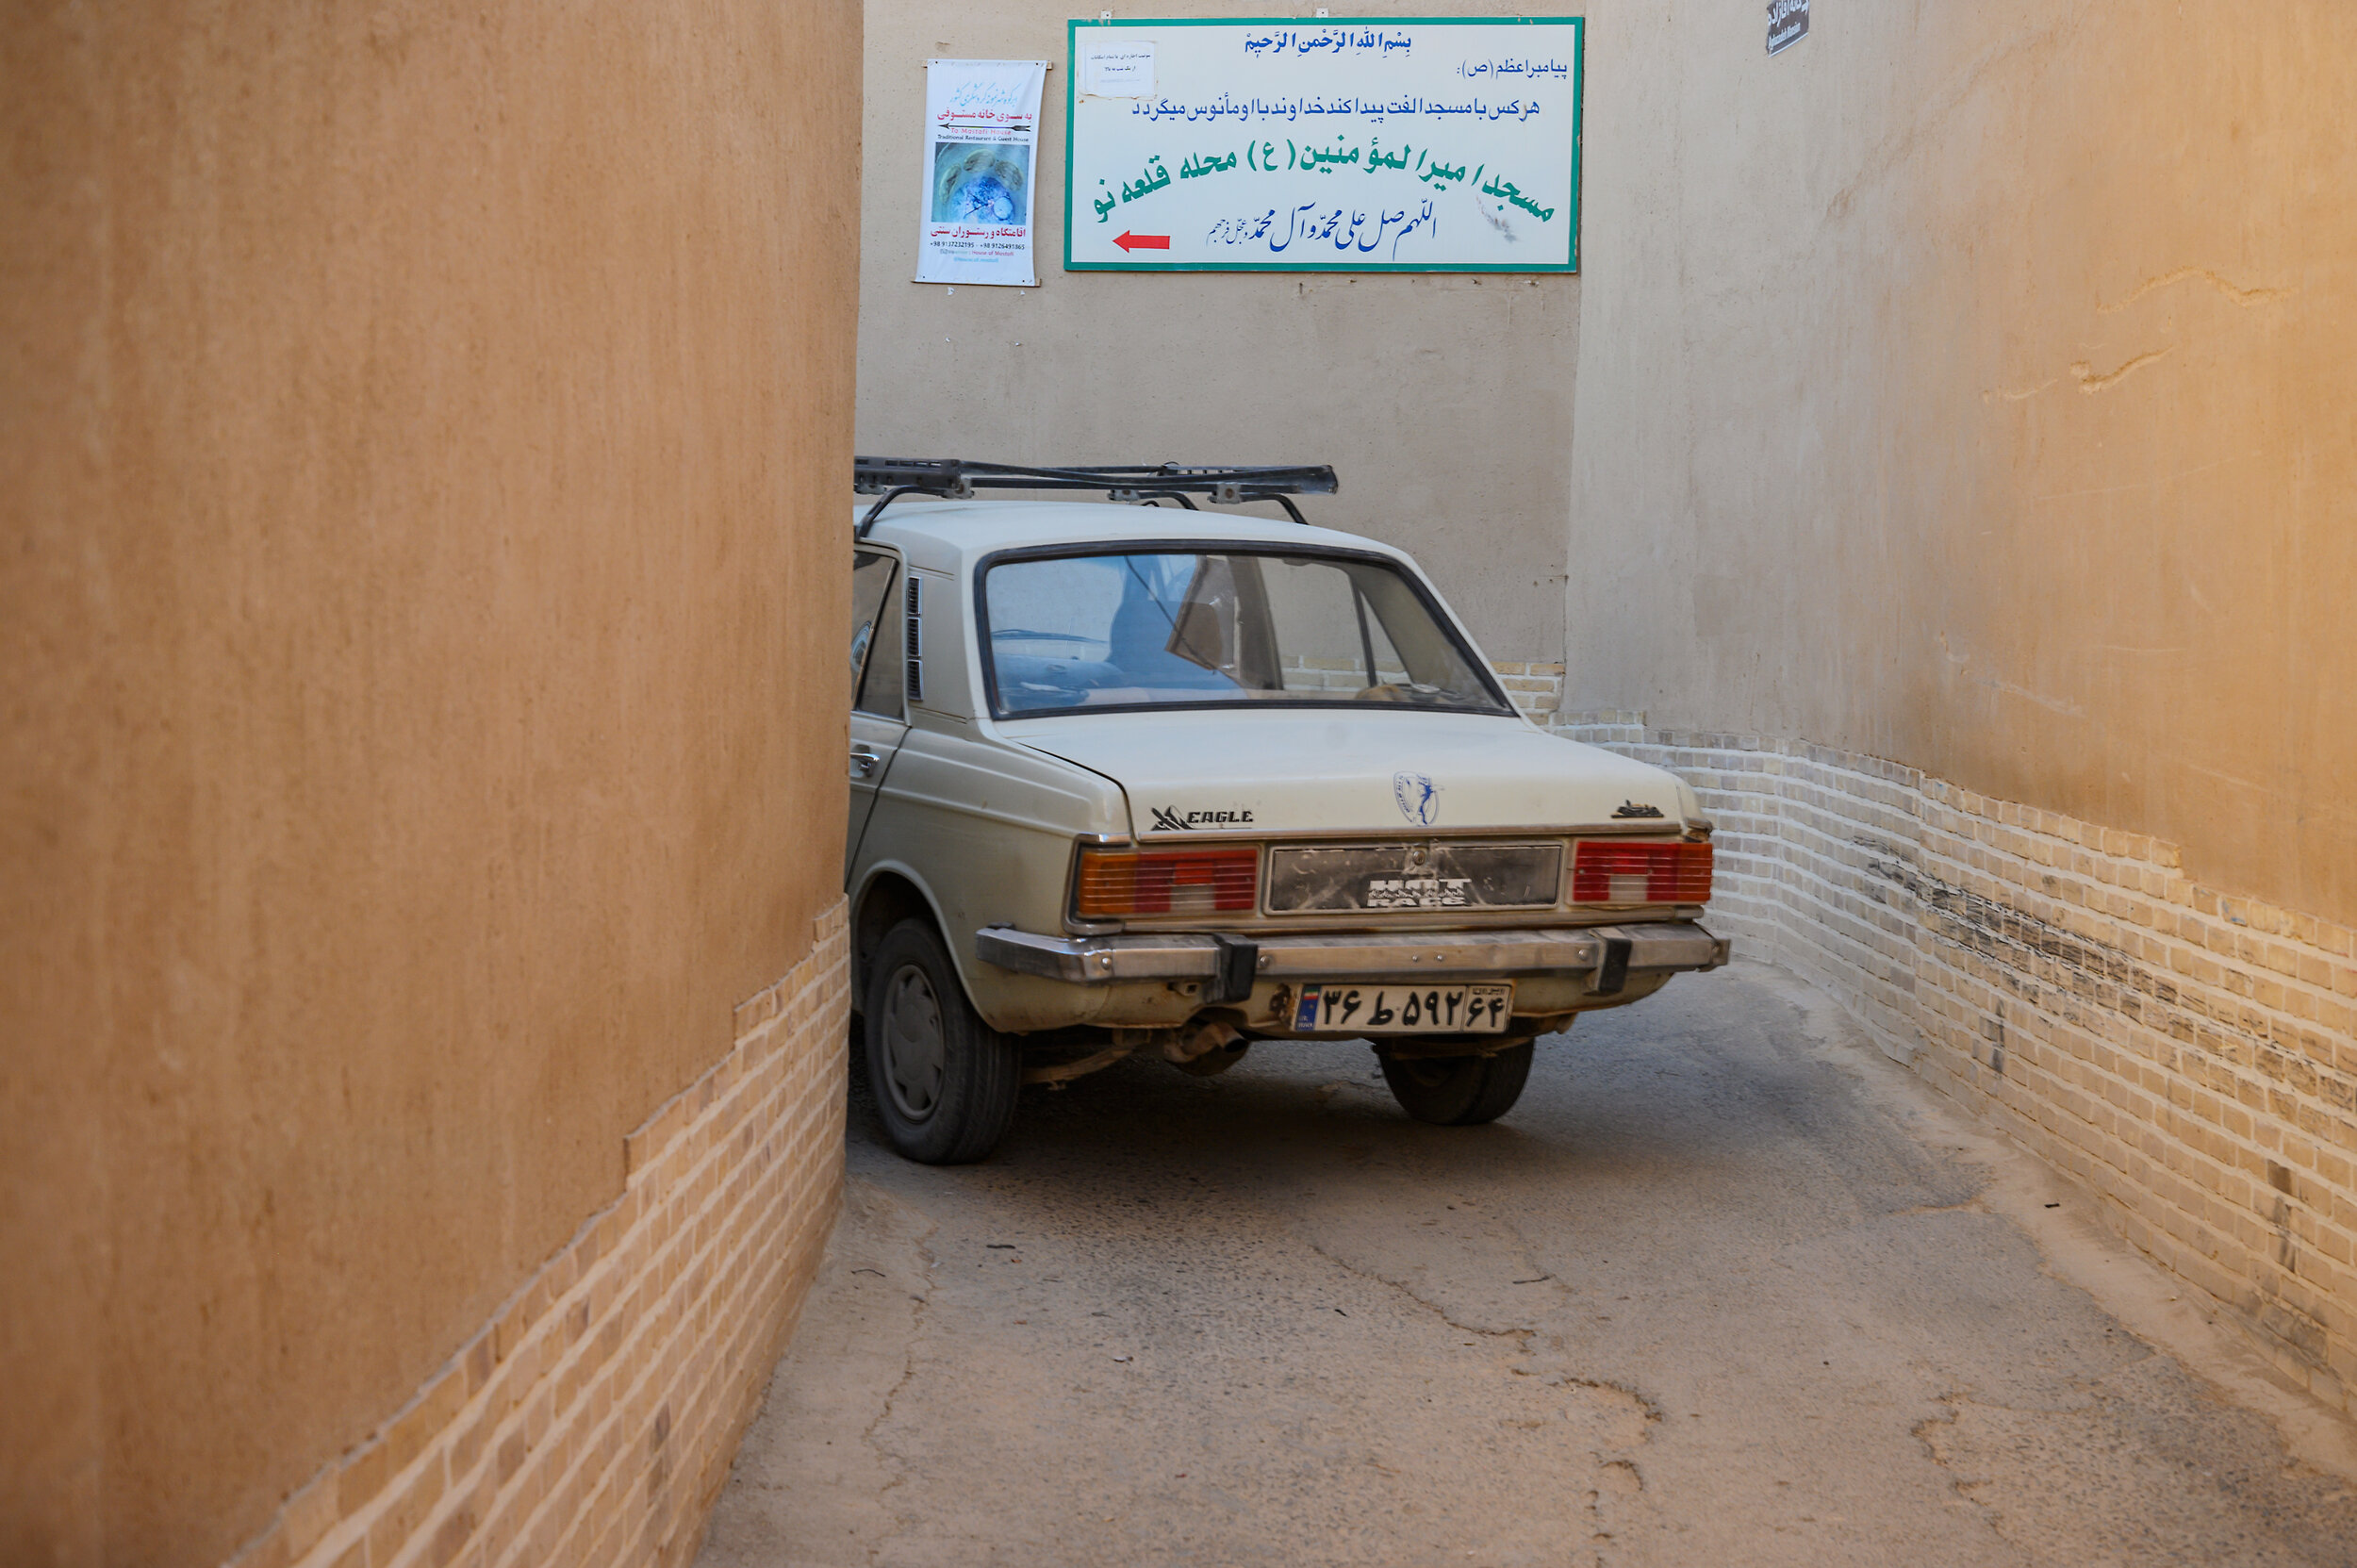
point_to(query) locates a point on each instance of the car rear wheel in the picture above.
(1458, 1090)
(944, 1080)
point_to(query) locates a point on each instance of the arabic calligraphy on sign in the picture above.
(1432, 145)
(1542, 70)
(1330, 40)
(1376, 111)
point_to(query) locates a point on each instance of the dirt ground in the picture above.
(1726, 1287)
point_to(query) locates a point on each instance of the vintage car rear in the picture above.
(1184, 781)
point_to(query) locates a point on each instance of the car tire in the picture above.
(1458, 1090)
(944, 1081)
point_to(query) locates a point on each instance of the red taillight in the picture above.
(1114, 882)
(1605, 872)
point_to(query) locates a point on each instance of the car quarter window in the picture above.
(874, 676)
(1174, 626)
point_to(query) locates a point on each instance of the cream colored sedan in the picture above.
(1129, 778)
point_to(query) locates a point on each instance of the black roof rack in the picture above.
(956, 479)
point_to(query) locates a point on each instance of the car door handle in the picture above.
(864, 760)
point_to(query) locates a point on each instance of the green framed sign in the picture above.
(1344, 144)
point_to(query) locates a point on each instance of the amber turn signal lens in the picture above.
(1617, 873)
(1114, 882)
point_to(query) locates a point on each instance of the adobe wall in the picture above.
(1971, 386)
(421, 619)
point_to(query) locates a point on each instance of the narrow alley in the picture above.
(1726, 1287)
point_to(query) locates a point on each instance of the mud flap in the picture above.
(1240, 965)
(1612, 974)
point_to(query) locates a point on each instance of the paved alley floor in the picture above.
(1725, 1288)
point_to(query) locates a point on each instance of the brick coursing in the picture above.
(592, 1420)
(1536, 690)
(2189, 1057)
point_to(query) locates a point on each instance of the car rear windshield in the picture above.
(1167, 628)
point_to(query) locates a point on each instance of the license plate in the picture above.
(1336, 1008)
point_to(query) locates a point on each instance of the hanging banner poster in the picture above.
(981, 129)
(1344, 145)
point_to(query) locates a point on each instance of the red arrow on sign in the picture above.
(1128, 241)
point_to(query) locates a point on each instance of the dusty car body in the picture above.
(1128, 777)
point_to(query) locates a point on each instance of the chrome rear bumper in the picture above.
(1608, 954)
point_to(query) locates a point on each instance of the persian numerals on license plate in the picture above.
(1338, 1008)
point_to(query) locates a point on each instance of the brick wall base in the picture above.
(2189, 1057)
(593, 1418)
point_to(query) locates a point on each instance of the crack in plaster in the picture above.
(2246, 298)
(2090, 383)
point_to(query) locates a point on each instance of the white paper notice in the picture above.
(1124, 69)
(981, 133)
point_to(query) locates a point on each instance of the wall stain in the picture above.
(2077, 982)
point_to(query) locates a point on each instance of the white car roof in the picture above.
(949, 536)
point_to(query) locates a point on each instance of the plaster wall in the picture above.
(1443, 402)
(1971, 386)
(421, 432)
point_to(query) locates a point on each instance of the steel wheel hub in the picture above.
(914, 1051)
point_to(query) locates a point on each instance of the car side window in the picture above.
(875, 619)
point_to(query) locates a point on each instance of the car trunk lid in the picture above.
(1333, 773)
